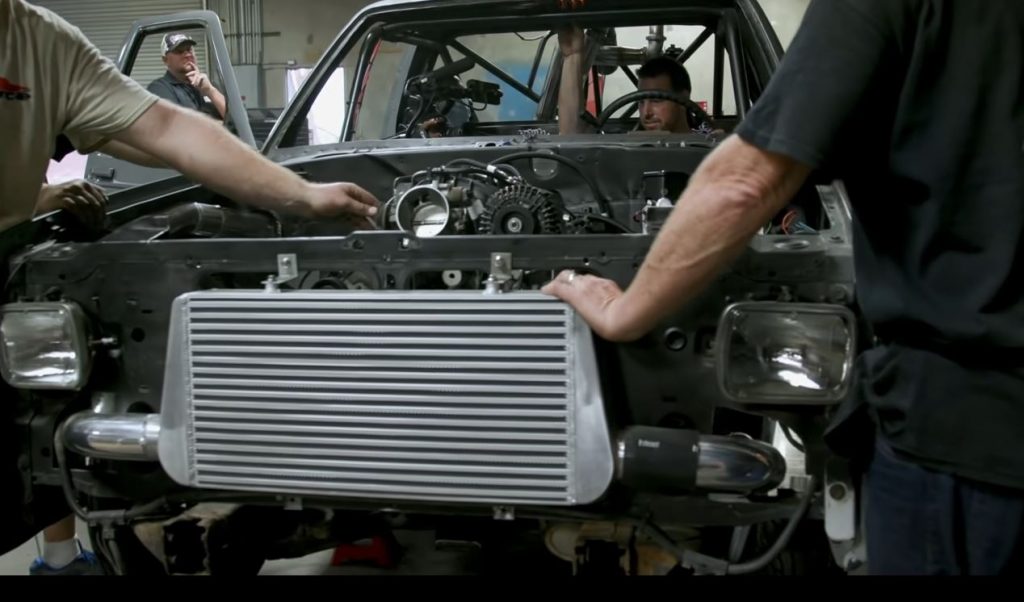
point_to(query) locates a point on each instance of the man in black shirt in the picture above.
(184, 84)
(919, 106)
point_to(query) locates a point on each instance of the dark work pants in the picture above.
(922, 522)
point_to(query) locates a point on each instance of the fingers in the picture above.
(93, 211)
(85, 209)
(94, 193)
(333, 200)
(363, 196)
(87, 202)
(553, 288)
(563, 285)
(362, 209)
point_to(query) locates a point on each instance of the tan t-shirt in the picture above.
(52, 82)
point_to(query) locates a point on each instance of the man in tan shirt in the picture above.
(53, 81)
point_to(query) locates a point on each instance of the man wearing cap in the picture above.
(184, 84)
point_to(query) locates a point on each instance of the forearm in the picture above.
(215, 158)
(569, 97)
(734, 192)
(218, 100)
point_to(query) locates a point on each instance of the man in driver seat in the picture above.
(660, 73)
(666, 75)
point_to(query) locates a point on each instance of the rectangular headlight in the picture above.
(44, 346)
(785, 352)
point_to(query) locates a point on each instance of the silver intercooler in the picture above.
(386, 394)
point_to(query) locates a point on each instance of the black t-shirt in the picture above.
(918, 105)
(181, 94)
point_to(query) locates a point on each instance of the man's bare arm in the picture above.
(218, 100)
(205, 152)
(734, 192)
(127, 153)
(201, 82)
(570, 103)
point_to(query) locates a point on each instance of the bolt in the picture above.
(837, 294)
(286, 261)
(675, 339)
(837, 491)
(514, 225)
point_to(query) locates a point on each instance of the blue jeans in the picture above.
(922, 522)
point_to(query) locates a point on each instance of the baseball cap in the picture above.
(173, 40)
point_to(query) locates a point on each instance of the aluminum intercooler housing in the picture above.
(404, 395)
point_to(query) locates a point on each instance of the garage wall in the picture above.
(296, 32)
(785, 16)
(291, 33)
(299, 37)
(107, 22)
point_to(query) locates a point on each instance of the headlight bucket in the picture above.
(44, 346)
(791, 353)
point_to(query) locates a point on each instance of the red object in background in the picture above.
(7, 85)
(380, 551)
(591, 99)
(703, 104)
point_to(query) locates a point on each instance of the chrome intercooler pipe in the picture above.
(654, 459)
(113, 436)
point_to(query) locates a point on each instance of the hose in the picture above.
(717, 566)
(762, 561)
(792, 440)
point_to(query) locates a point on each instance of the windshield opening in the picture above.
(407, 83)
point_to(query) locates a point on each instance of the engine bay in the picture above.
(467, 197)
(482, 191)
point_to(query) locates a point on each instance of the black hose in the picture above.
(601, 201)
(707, 564)
(70, 495)
(607, 220)
(762, 561)
(792, 440)
(506, 171)
(66, 484)
(420, 110)
(502, 167)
